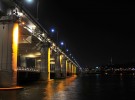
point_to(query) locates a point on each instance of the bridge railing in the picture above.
(28, 69)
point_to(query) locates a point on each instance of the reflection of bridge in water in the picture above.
(52, 90)
(25, 46)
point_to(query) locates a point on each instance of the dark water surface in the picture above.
(84, 87)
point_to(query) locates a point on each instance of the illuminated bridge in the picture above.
(25, 46)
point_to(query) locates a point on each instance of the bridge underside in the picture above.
(29, 55)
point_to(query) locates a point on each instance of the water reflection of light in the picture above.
(8, 95)
(55, 88)
(121, 76)
(52, 90)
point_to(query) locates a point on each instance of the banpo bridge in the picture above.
(25, 46)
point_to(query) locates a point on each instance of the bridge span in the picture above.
(26, 46)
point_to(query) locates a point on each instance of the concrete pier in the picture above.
(8, 52)
(58, 67)
(63, 67)
(45, 62)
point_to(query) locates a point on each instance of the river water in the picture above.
(83, 87)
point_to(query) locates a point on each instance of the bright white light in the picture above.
(48, 39)
(96, 67)
(52, 30)
(29, 1)
(62, 43)
(43, 35)
(53, 44)
(20, 14)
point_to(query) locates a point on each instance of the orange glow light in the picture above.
(49, 63)
(15, 46)
(23, 23)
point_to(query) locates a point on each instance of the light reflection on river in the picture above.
(85, 87)
(52, 90)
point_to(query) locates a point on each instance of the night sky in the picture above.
(94, 31)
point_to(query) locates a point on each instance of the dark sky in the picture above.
(94, 31)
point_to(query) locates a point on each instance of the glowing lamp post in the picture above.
(30, 2)
(67, 50)
(61, 43)
(53, 31)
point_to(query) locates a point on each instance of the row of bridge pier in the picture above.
(25, 46)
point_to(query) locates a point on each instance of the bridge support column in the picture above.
(45, 63)
(67, 67)
(63, 67)
(74, 69)
(52, 64)
(70, 68)
(22, 61)
(58, 67)
(8, 53)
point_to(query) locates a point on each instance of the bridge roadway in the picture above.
(24, 42)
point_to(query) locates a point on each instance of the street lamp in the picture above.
(31, 1)
(37, 8)
(67, 50)
(62, 43)
(54, 31)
